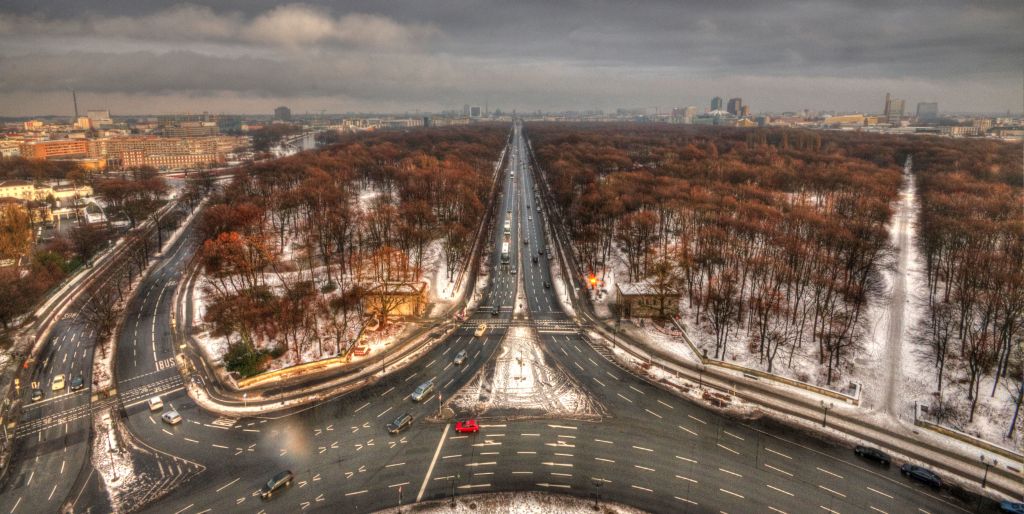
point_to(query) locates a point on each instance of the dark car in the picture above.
(535, 259)
(1011, 507)
(400, 423)
(547, 285)
(37, 394)
(495, 311)
(77, 383)
(874, 454)
(923, 475)
(282, 479)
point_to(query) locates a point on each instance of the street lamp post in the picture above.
(988, 464)
(597, 498)
(825, 407)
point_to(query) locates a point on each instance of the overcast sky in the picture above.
(248, 56)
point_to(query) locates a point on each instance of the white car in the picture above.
(481, 329)
(171, 417)
(155, 404)
(58, 382)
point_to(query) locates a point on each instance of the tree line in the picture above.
(293, 247)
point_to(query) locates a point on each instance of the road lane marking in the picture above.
(624, 398)
(385, 412)
(724, 447)
(356, 492)
(783, 455)
(364, 406)
(687, 429)
(395, 465)
(684, 500)
(686, 459)
(728, 433)
(783, 491)
(433, 462)
(641, 488)
(398, 485)
(225, 486)
(604, 460)
(688, 479)
(826, 509)
(823, 470)
(599, 382)
(642, 467)
(652, 413)
(557, 426)
(603, 441)
(837, 493)
(665, 404)
(784, 472)
(733, 473)
(877, 509)
(773, 509)
(530, 435)
(879, 492)
(386, 392)
(637, 390)
(698, 420)
(726, 491)
(641, 448)
(527, 453)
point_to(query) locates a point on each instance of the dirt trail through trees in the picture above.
(898, 296)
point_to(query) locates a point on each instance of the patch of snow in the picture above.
(519, 503)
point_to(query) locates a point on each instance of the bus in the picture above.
(504, 252)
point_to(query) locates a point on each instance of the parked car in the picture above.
(400, 423)
(923, 475)
(58, 382)
(874, 454)
(37, 394)
(171, 417)
(1011, 507)
(467, 427)
(77, 383)
(423, 391)
(155, 404)
(481, 329)
(460, 357)
(282, 479)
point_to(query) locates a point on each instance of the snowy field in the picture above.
(517, 503)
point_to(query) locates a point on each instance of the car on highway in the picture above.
(400, 423)
(495, 311)
(547, 285)
(77, 383)
(37, 394)
(923, 475)
(171, 417)
(481, 329)
(58, 382)
(529, 218)
(1011, 507)
(512, 270)
(460, 357)
(540, 251)
(156, 403)
(526, 241)
(874, 454)
(282, 479)
(423, 391)
(535, 259)
(467, 427)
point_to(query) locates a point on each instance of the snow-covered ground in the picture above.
(113, 462)
(522, 379)
(516, 503)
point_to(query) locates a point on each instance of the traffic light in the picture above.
(593, 281)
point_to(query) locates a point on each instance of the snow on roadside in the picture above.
(516, 503)
(559, 285)
(113, 462)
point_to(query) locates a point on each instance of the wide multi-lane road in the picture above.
(641, 444)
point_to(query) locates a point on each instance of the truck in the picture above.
(504, 252)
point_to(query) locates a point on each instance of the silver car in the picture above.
(171, 417)
(460, 357)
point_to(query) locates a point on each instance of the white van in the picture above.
(155, 404)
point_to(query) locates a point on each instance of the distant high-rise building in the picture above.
(893, 109)
(927, 111)
(465, 110)
(716, 103)
(745, 111)
(283, 114)
(474, 112)
(735, 106)
(99, 118)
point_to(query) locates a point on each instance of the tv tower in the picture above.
(74, 97)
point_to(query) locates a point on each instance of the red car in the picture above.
(468, 426)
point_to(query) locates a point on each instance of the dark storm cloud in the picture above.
(778, 55)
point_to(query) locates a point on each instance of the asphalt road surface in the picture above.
(648, 448)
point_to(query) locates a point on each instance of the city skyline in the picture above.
(249, 57)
